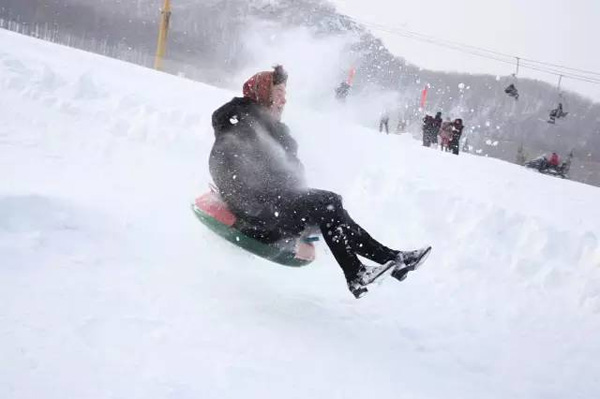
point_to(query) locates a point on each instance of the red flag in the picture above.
(424, 97)
(351, 76)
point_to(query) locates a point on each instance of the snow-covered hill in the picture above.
(110, 288)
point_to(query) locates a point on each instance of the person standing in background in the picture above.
(427, 126)
(384, 121)
(445, 135)
(457, 129)
(435, 127)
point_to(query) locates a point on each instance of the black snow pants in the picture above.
(454, 144)
(345, 238)
(384, 123)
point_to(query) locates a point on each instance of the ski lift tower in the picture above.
(161, 45)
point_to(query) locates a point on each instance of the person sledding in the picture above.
(254, 164)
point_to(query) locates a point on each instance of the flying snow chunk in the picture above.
(233, 120)
(461, 86)
(488, 124)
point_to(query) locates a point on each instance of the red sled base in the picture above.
(213, 213)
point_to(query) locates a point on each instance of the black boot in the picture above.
(408, 261)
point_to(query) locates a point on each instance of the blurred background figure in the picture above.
(457, 129)
(384, 121)
(445, 135)
(342, 91)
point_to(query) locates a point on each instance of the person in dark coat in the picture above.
(342, 91)
(435, 127)
(431, 128)
(512, 91)
(457, 129)
(427, 128)
(254, 163)
(557, 113)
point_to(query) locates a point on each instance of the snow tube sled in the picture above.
(288, 251)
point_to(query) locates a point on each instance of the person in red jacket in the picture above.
(554, 160)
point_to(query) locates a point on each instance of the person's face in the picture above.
(278, 100)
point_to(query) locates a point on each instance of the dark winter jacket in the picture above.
(254, 159)
(456, 133)
(431, 127)
(436, 124)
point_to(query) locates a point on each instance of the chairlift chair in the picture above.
(559, 111)
(511, 89)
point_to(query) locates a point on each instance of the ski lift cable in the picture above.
(550, 71)
(442, 42)
(559, 72)
(562, 67)
(465, 49)
(493, 55)
(565, 75)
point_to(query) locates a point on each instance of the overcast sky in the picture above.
(556, 31)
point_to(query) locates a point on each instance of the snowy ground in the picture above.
(110, 288)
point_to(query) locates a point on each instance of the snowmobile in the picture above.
(294, 251)
(542, 165)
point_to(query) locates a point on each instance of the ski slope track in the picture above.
(110, 288)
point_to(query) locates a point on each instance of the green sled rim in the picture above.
(283, 255)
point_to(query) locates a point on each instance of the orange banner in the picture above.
(424, 97)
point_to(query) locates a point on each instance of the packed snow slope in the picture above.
(110, 288)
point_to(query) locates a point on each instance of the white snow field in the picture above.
(110, 288)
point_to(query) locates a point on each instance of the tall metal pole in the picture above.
(162, 34)
(559, 80)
